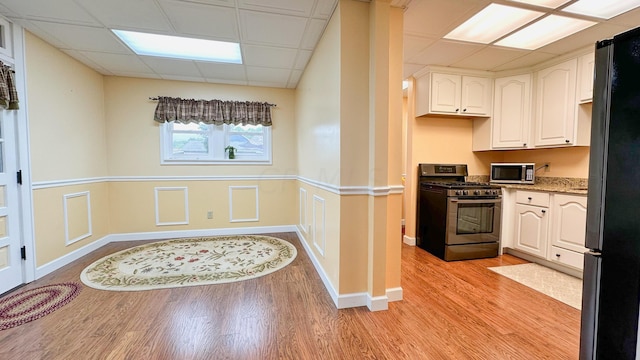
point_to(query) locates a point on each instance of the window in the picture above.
(201, 143)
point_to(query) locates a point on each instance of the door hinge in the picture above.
(23, 253)
(19, 177)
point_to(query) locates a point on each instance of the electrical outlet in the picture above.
(209, 214)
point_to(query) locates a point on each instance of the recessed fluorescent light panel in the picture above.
(544, 32)
(491, 23)
(605, 9)
(181, 47)
(551, 4)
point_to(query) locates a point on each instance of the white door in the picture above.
(11, 267)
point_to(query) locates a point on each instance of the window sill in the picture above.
(217, 162)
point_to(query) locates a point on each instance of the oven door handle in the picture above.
(475, 201)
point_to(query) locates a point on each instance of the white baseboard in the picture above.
(159, 235)
(409, 240)
(71, 257)
(377, 303)
(395, 294)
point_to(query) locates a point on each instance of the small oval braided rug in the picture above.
(32, 304)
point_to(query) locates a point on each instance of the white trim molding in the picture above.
(257, 217)
(185, 191)
(320, 244)
(65, 199)
(339, 190)
(302, 210)
(395, 294)
(411, 241)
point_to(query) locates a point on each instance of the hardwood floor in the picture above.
(451, 310)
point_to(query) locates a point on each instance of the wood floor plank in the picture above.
(451, 310)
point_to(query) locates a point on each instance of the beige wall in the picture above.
(67, 131)
(564, 162)
(67, 141)
(133, 137)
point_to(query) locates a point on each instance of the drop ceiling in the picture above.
(277, 37)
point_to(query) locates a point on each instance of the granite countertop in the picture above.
(576, 186)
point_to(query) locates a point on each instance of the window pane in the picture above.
(247, 139)
(190, 127)
(189, 144)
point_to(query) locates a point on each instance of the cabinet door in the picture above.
(531, 229)
(569, 222)
(476, 96)
(586, 65)
(445, 93)
(511, 112)
(556, 104)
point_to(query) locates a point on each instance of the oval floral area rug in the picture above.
(189, 262)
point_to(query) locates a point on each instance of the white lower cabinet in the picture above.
(532, 222)
(548, 226)
(568, 230)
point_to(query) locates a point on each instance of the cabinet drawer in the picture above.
(532, 198)
(567, 257)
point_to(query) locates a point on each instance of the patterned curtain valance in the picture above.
(8, 92)
(216, 112)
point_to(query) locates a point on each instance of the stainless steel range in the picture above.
(457, 220)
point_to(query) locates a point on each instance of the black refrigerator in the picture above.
(611, 287)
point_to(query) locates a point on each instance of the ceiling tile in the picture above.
(445, 53)
(271, 29)
(291, 7)
(324, 8)
(268, 84)
(294, 78)
(59, 10)
(182, 78)
(171, 67)
(128, 14)
(410, 69)
(85, 60)
(489, 58)
(84, 38)
(268, 75)
(203, 20)
(531, 59)
(582, 39)
(302, 59)
(435, 18)
(269, 56)
(313, 33)
(413, 45)
(118, 63)
(225, 81)
(222, 71)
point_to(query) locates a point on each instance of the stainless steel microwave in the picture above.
(513, 173)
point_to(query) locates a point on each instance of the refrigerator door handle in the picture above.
(590, 305)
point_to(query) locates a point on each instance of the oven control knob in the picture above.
(465, 192)
(458, 192)
(488, 192)
(477, 192)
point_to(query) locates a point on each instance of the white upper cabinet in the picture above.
(511, 112)
(476, 96)
(453, 94)
(555, 113)
(586, 66)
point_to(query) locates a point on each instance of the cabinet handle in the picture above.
(557, 255)
(525, 144)
(544, 211)
(464, 110)
(457, 110)
(530, 198)
(567, 141)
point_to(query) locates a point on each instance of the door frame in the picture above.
(23, 158)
